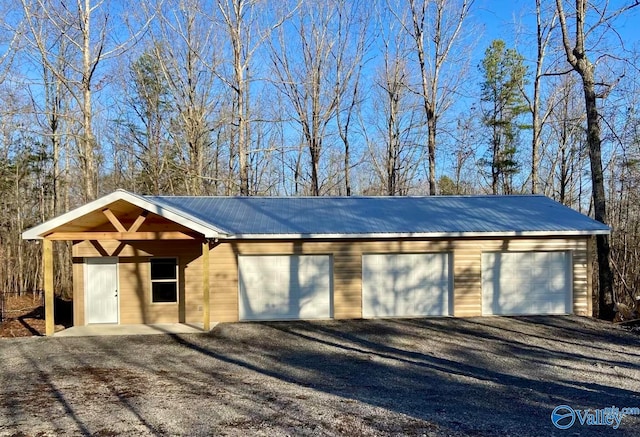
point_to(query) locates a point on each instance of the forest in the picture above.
(320, 98)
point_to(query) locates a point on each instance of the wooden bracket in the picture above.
(136, 225)
(114, 220)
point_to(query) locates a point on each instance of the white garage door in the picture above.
(397, 285)
(277, 287)
(526, 283)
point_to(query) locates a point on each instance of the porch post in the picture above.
(205, 287)
(47, 257)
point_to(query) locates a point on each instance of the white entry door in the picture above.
(101, 290)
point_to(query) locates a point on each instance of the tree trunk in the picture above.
(428, 102)
(431, 146)
(241, 123)
(495, 173)
(436, 25)
(578, 59)
(240, 92)
(535, 107)
(89, 177)
(315, 159)
(347, 180)
(605, 275)
(233, 12)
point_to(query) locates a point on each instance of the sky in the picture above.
(501, 18)
(514, 21)
(510, 20)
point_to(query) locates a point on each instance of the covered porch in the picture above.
(114, 227)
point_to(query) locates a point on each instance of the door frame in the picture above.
(107, 260)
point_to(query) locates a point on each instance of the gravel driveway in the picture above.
(445, 376)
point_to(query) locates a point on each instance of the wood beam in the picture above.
(101, 250)
(141, 218)
(122, 236)
(114, 220)
(205, 288)
(47, 259)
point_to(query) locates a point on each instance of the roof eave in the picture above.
(392, 235)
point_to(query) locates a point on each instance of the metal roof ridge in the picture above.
(435, 234)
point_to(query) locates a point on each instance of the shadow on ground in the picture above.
(478, 376)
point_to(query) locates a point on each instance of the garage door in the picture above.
(284, 287)
(526, 283)
(397, 285)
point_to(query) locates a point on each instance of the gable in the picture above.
(120, 214)
(126, 214)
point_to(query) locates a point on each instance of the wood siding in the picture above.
(134, 276)
(134, 280)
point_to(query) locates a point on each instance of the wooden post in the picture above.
(47, 257)
(205, 287)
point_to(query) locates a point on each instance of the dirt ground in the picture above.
(24, 316)
(434, 377)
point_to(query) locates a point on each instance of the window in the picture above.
(164, 280)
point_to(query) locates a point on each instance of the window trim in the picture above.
(176, 280)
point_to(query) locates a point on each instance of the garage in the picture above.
(526, 283)
(406, 285)
(285, 287)
(321, 257)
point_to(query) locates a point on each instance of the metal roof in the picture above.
(359, 217)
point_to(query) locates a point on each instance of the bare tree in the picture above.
(10, 39)
(88, 46)
(238, 18)
(51, 104)
(565, 129)
(247, 24)
(51, 124)
(394, 87)
(544, 30)
(185, 48)
(393, 150)
(625, 203)
(317, 62)
(24, 171)
(578, 59)
(435, 27)
(464, 151)
(353, 41)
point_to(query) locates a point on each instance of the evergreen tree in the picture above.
(503, 103)
(149, 100)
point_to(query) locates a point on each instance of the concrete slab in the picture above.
(106, 329)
